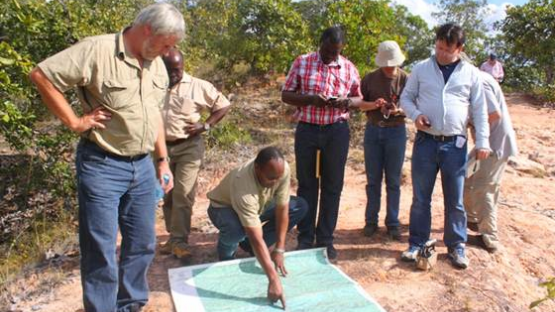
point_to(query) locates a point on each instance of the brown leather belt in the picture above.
(386, 124)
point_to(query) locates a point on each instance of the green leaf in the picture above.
(6, 61)
(536, 303)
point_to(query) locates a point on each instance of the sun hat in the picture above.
(389, 54)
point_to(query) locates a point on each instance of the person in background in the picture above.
(121, 82)
(493, 67)
(188, 97)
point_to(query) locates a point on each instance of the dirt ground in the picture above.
(504, 281)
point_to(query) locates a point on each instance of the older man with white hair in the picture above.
(121, 83)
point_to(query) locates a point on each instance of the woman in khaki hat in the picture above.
(385, 136)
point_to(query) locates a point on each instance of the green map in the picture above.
(313, 284)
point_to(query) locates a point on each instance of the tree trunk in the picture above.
(549, 75)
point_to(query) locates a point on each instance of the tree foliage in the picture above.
(419, 38)
(529, 32)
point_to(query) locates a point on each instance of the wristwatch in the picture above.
(279, 250)
(206, 126)
(162, 159)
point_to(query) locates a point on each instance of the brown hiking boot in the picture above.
(181, 250)
(166, 248)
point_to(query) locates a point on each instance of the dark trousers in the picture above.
(333, 143)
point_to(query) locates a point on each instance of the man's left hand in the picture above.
(279, 261)
(164, 169)
(194, 129)
(482, 153)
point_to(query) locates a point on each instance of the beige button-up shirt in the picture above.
(241, 191)
(185, 103)
(107, 75)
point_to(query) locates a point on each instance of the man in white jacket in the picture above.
(439, 95)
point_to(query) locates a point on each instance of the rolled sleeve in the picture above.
(71, 67)
(292, 80)
(491, 99)
(214, 99)
(355, 83)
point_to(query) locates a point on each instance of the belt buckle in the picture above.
(381, 124)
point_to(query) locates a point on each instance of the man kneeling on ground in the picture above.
(257, 192)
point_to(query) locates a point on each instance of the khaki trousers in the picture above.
(481, 192)
(185, 161)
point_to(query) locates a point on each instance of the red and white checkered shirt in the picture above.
(309, 75)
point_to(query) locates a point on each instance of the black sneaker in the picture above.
(332, 252)
(394, 233)
(370, 229)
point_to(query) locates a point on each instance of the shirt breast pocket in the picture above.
(316, 83)
(159, 91)
(119, 94)
(188, 106)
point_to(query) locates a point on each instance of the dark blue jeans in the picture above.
(115, 192)
(333, 142)
(232, 231)
(428, 157)
(384, 152)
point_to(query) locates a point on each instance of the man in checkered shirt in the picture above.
(322, 85)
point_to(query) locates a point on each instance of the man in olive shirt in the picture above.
(254, 193)
(121, 83)
(187, 98)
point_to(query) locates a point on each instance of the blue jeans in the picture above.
(114, 192)
(430, 156)
(232, 231)
(333, 143)
(384, 152)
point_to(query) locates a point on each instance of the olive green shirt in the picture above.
(186, 101)
(106, 74)
(241, 190)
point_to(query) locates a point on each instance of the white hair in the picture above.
(163, 19)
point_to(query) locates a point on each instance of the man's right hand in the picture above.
(319, 100)
(95, 119)
(275, 291)
(422, 122)
(380, 103)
